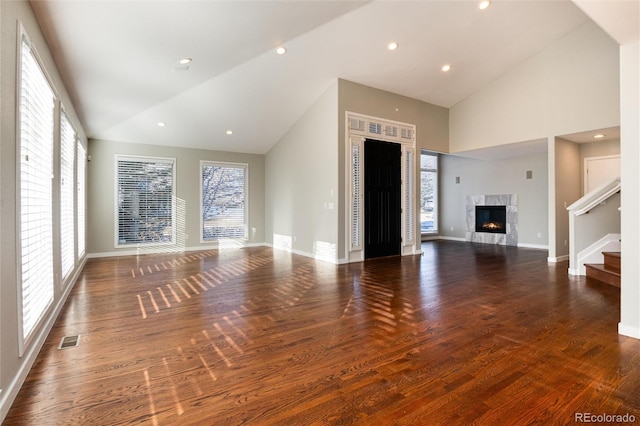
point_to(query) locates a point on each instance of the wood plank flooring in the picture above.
(467, 333)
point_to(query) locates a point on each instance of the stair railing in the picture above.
(591, 218)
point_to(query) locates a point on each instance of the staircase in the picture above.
(609, 271)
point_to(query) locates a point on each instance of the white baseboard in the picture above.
(629, 331)
(442, 237)
(8, 395)
(307, 254)
(166, 250)
(323, 258)
(523, 245)
(593, 253)
(534, 246)
(217, 246)
(574, 271)
(558, 258)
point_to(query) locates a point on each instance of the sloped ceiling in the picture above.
(118, 59)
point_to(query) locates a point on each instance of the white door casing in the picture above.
(359, 128)
(598, 170)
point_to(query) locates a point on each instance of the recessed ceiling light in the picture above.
(185, 61)
(229, 132)
(446, 68)
(484, 4)
(161, 124)
(392, 46)
(281, 50)
(598, 136)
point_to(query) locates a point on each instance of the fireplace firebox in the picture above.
(491, 219)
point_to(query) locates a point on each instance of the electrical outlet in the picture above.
(539, 234)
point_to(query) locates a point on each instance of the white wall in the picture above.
(13, 368)
(567, 191)
(621, 19)
(101, 193)
(508, 176)
(301, 183)
(630, 179)
(600, 149)
(571, 86)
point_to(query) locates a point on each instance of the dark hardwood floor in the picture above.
(467, 333)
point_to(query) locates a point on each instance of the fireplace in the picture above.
(491, 219)
(507, 203)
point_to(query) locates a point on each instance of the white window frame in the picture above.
(81, 173)
(144, 159)
(435, 221)
(46, 286)
(68, 229)
(245, 167)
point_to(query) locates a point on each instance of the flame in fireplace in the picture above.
(492, 225)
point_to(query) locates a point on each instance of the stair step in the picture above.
(612, 260)
(601, 273)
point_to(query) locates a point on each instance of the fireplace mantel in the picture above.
(510, 238)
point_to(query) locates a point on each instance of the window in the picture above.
(428, 193)
(36, 118)
(145, 194)
(224, 200)
(81, 169)
(67, 193)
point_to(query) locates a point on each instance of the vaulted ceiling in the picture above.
(119, 59)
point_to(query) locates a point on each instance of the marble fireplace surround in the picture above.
(509, 200)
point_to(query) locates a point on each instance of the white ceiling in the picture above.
(117, 59)
(619, 18)
(589, 136)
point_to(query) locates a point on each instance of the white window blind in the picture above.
(67, 193)
(36, 105)
(224, 200)
(409, 230)
(145, 200)
(356, 195)
(389, 131)
(81, 168)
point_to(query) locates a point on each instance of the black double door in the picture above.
(382, 196)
